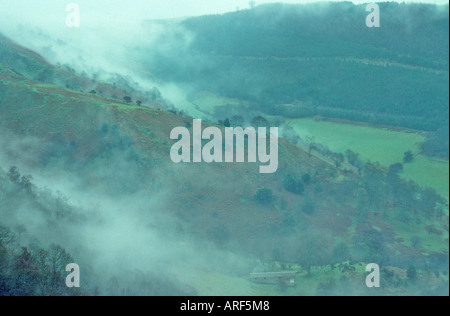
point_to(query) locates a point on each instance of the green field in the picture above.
(379, 145)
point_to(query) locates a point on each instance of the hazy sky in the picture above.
(44, 12)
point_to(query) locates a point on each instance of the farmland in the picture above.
(382, 145)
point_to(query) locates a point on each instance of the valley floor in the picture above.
(379, 145)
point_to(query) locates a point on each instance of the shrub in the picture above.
(293, 185)
(396, 168)
(306, 178)
(264, 196)
(409, 157)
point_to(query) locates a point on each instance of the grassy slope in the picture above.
(45, 110)
(375, 144)
(380, 145)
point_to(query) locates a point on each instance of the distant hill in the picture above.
(320, 59)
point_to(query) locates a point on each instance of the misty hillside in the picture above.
(86, 174)
(35, 67)
(110, 150)
(318, 59)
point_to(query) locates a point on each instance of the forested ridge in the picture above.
(321, 59)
